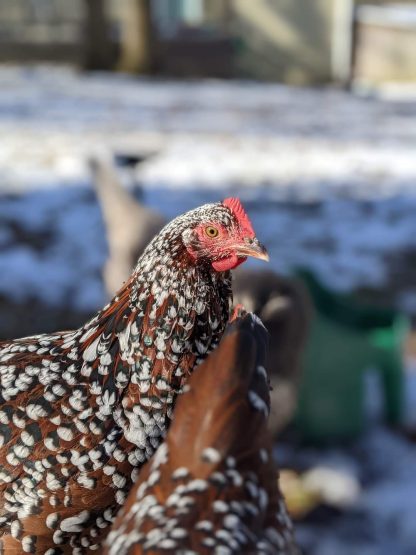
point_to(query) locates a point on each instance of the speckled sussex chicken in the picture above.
(211, 487)
(81, 411)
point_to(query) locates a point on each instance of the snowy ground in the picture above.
(328, 178)
(248, 134)
(381, 520)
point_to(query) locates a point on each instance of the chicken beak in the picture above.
(253, 248)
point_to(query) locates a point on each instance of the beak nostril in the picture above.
(252, 247)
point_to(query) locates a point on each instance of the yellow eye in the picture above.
(211, 231)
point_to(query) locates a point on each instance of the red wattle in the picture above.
(228, 263)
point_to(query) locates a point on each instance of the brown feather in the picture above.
(212, 486)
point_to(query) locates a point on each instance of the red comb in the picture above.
(234, 204)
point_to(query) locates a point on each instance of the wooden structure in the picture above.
(283, 40)
(292, 41)
(385, 44)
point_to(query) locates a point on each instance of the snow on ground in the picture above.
(381, 520)
(52, 248)
(211, 132)
(328, 178)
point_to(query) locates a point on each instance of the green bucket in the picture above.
(347, 338)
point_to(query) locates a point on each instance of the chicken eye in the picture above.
(211, 231)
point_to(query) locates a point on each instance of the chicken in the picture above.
(211, 487)
(81, 411)
(284, 307)
(129, 224)
(281, 302)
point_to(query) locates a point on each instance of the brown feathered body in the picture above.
(212, 485)
(81, 411)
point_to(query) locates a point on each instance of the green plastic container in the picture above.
(347, 338)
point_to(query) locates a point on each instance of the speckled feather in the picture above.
(81, 411)
(211, 487)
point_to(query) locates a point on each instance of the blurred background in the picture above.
(118, 115)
